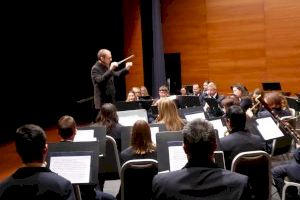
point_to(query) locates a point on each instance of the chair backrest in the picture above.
(288, 184)
(109, 165)
(136, 178)
(257, 166)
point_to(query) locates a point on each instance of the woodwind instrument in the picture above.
(285, 126)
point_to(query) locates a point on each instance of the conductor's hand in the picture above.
(128, 65)
(113, 66)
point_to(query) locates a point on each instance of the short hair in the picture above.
(30, 141)
(212, 85)
(102, 53)
(199, 138)
(66, 126)
(164, 88)
(237, 117)
(273, 99)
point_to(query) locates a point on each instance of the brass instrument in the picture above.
(285, 126)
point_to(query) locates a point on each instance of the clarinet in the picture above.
(285, 126)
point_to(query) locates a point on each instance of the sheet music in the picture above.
(177, 158)
(154, 130)
(217, 123)
(268, 128)
(84, 136)
(74, 168)
(191, 117)
(129, 117)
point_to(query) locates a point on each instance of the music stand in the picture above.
(188, 101)
(271, 86)
(268, 128)
(130, 105)
(99, 133)
(145, 104)
(76, 161)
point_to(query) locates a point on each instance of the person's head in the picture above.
(274, 100)
(205, 84)
(67, 127)
(137, 91)
(183, 91)
(144, 91)
(131, 96)
(108, 112)
(229, 101)
(141, 138)
(236, 118)
(163, 91)
(196, 89)
(168, 114)
(199, 140)
(239, 90)
(104, 57)
(30, 141)
(211, 89)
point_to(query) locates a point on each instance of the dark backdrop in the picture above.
(47, 53)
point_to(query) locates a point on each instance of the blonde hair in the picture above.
(168, 115)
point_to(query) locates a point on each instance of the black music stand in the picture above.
(130, 105)
(99, 133)
(271, 86)
(145, 104)
(188, 101)
(63, 155)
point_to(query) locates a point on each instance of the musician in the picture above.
(239, 90)
(274, 101)
(102, 75)
(239, 139)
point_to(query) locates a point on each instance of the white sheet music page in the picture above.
(268, 128)
(219, 126)
(191, 117)
(154, 130)
(129, 117)
(177, 158)
(74, 168)
(84, 136)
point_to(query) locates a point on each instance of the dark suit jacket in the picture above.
(37, 183)
(103, 82)
(128, 154)
(290, 170)
(238, 142)
(200, 181)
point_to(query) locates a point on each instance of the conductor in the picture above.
(102, 74)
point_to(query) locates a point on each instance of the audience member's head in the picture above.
(141, 138)
(168, 114)
(144, 91)
(236, 118)
(30, 143)
(199, 140)
(67, 127)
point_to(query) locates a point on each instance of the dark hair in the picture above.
(108, 117)
(237, 118)
(199, 138)
(242, 88)
(30, 142)
(141, 141)
(66, 127)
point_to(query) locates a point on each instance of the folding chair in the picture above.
(136, 178)
(288, 184)
(109, 165)
(256, 165)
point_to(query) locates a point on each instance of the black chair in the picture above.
(257, 166)
(136, 178)
(287, 186)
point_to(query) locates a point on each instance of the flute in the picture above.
(129, 57)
